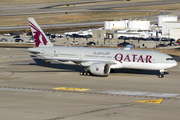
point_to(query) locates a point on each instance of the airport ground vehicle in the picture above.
(31, 40)
(91, 43)
(178, 42)
(123, 44)
(3, 40)
(8, 34)
(29, 33)
(173, 44)
(162, 45)
(88, 36)
(74, 43)
(16, 36)
(19, 40)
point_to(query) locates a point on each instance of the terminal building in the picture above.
(166, 18)
(168, 26)
(130, 28)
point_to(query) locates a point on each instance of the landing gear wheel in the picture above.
(81, 73)
(85, 73)
(161, 75)
(88, 73)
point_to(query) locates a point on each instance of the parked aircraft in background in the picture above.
(98, 61)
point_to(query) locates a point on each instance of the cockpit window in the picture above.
(169, 59)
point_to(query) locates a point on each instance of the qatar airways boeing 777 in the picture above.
(99, 61)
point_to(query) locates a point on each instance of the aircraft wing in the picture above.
(76, 60)
(17, 49)
(68, 59)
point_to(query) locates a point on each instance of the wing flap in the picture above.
(79, 60)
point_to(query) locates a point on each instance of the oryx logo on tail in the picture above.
(39, 37)
(38, 34)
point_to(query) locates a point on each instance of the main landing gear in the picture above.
(161, 73)
(85, 72)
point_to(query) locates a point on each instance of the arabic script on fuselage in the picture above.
(101, 53)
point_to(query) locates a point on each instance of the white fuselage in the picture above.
(116, 58)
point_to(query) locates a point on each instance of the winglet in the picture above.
(128, 47)
(41, 39)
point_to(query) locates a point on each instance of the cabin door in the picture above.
(80, 55)
(154, 59)
(54, 54)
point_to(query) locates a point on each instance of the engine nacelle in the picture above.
(102, 69)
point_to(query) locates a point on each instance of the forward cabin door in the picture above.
(54, 54)
(154, 59)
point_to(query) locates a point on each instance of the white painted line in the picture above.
(22, 90)
(178, 97)
(137, 93)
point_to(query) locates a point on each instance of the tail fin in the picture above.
(41, 39)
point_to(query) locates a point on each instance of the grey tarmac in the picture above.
(26, 92)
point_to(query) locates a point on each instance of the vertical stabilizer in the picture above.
(41, 39)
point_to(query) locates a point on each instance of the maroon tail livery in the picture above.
(38, 34)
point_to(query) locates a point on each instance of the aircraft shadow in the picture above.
(77, 68)
(56, 65)
(140, 72)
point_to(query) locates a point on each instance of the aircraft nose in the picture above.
(175, 63)
(171, 64)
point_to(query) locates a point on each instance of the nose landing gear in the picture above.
(161, 73)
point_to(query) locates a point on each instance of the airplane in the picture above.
(98, 61)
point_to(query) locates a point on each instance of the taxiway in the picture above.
(27, 92)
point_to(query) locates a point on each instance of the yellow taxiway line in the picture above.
(71, 89)
(158, 101)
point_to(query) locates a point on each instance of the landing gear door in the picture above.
(80, 55)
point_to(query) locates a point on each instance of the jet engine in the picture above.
(102, 69)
